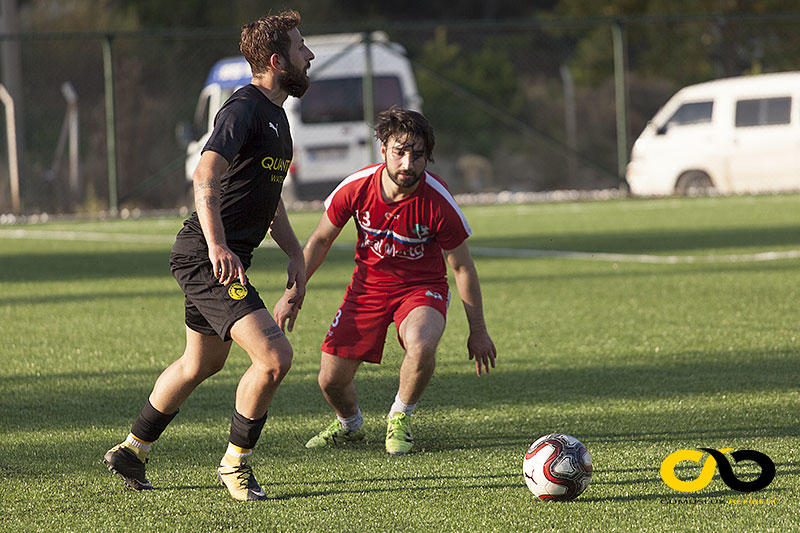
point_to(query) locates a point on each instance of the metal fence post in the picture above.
(570, 121)
(11, 135)
(111, 129)
(620, 90)
(71, 121)
(369, 105)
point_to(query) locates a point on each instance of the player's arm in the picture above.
(286, 309)
(226, 265)
(319, 243)
(480, 345)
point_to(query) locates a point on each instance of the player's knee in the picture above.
(331, 384)
(196, 371)
(274, 363)
(213, 368)
(325, 383)
(422, 358)
(283, 359)
(422, 350)
(428, 363)
(273, 374)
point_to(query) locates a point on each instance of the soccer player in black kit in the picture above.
(237, 187)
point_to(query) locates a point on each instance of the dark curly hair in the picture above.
(407, 126)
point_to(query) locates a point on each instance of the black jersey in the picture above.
(252, 134)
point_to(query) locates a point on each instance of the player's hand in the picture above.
(285, 312)
(481, 348)
(288, 307)
(226, 265)
(296, 282)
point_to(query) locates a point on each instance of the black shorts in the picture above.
(211, 308)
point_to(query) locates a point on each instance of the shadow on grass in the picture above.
(692, 470)
(699, 434)
(58, 400)
(275, 494)
(419, 483)
(719, 497)
(279, 490)
(95, 296)
(362, 485)
(269, 282)
(783, 469)
(90, 266)
(98, 264)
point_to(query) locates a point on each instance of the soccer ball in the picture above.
(557, 467)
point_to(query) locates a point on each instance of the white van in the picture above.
(733, 135)
(331, 137)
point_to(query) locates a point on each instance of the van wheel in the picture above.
(694, 183)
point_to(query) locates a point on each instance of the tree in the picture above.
(487, 74)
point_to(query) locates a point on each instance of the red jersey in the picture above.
(399, 243)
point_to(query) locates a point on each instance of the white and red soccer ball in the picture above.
(557, 467)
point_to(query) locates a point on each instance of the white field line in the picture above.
(98, 236)
(93, 236)
(634, 258)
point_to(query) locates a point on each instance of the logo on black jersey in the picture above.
(237, 291)
(278, 166)
(276, 163)
(274, 127)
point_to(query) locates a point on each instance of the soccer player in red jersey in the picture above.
(408, 223)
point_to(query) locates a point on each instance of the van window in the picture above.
(201, 115)
(207, 101)
(763, 111)
(341, 100)
(692, 113)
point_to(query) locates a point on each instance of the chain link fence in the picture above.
(517, 106)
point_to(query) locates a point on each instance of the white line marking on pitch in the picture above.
(98, 236)
(94, 236)
(634, 258)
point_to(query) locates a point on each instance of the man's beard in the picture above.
(294, 81)
(405, 182)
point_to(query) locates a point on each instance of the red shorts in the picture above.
(358, 330)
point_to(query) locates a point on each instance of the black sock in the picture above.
(150, 423)
(244, 431)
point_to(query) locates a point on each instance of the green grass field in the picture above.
(689, 338)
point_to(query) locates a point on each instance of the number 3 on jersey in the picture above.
(335, 322)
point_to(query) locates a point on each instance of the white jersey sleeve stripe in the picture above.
(437, 186)
(363, 173)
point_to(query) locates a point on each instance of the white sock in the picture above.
(236, 451)
(235, 456)
(136, 443)
(351, 423)
(399, 407)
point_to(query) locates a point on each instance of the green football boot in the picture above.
(335, 435)
(398, 435)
